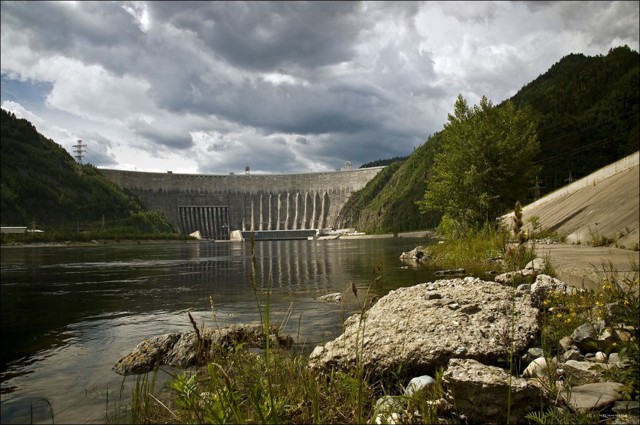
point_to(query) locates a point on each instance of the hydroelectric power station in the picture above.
(216, 205)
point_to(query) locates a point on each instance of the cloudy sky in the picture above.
(282, 87)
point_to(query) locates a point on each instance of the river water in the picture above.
(69, 313)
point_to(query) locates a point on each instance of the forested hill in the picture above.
(586, 111)
(40, 182)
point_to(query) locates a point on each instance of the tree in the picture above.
(484, 165)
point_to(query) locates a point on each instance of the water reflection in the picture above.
(69, 313)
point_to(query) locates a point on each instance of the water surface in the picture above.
(69, 313)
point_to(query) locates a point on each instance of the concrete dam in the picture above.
(218, 204)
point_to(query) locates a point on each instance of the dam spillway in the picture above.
(215, 205)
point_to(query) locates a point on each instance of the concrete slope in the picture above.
(605, 204)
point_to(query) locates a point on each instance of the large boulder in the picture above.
(481, 392)
(594, 397)
(414, 330)
(189, 349)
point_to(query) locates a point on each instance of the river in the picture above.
(69, 313)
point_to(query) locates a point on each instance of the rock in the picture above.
(184, 350)
(580, 373)
(566, 343)
(572, 355)
(627, 407)
(524, 287)
(601, 357)
(532, 354)
(145, 354)
(449, 272)
(510, 277)
(416, 254)
(389, 409)
(537, 264)
(587, 337)
(331, 298)
(618, 361)
(420, 384)
(627, 411)
(598, 396)
(539, 368)
(544, 285)
(481, 392)
(421, 327)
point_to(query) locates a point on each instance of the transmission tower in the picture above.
(80, 148)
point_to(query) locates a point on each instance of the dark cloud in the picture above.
(283, 85)
(269, 35)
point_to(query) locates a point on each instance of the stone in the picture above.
(185, 350)
(146, 354)
(540, 368)
(585, 336)
(572, 355)
(449, 272)
(627, 407)
(566, 343)
(412, 330)
(480, 392)
(389, 409)
(544, 285)
(532, 354)
(509, 278)
(417, 254)
(419, 384)
(618, 361)
(601, 357)
(580, 372)
(331, 298)
(537, 264)
(594, 397)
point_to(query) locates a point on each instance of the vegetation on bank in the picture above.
(277, 386)
(143, 225)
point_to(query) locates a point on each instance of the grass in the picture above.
(277, 385)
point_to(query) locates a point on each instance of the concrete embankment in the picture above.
(603, 207)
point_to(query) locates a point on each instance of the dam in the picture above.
(216, 205)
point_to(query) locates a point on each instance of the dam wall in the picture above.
(218, 204)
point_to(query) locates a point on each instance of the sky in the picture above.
(279, 87)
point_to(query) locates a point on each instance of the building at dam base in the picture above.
(216, 205)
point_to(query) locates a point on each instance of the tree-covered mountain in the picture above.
(586, 111)
(41, 183)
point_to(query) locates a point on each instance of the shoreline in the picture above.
(102, 242)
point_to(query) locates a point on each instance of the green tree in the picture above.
(484, 165)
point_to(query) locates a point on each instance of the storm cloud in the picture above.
(212, 87)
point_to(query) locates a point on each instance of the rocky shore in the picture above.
(484, 337)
